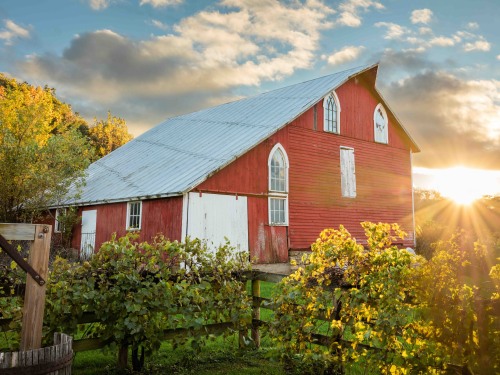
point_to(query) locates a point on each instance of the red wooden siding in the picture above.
(158, 216)
(383, 177)
(268, 244)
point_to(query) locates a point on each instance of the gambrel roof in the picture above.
(180, 153)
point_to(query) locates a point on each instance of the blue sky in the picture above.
(147, 60)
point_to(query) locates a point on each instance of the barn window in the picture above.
(380, 124)
(331, 113)
(134, 214)
(58, 228)
(278, 186)
(347, 172)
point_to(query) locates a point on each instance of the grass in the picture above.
(220, 356)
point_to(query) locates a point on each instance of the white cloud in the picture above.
(394, 31)
(346, 54)
(350, 11)
(12, 31)
(423, 38)
(99, 4)
(424, 30)
(421, 16)
(479, 45)
(473, 26)
(498, 57)
(160, 25)
(161, 3)
(442, 41)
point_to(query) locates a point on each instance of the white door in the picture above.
(214, 216)
(87, 246)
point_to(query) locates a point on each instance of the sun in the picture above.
(462, 185)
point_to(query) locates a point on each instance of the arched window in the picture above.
(331, 113)
(278, 186)
(381, 124)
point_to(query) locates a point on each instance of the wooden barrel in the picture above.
(52, 360)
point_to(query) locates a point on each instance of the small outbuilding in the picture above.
(267, 172)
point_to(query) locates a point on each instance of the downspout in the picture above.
(187, 216)
(413, 202)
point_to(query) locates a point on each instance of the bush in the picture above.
(137, 290)
(382, 308)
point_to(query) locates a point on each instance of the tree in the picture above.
(42, 151)
(107, 136)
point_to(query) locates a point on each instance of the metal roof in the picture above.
(180, 153)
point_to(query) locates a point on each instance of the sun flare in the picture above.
(462, 185)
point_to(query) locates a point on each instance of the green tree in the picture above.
(107, 135)
(42, 151)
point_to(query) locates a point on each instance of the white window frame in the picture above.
(274, 194)
(127, 224)
(332, 94)
(347, 177)
(384, 135)
(282, 198)
(57, 224)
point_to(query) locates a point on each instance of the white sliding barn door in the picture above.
(214, 216)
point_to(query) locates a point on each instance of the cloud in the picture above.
(498, 57)
(160, 25)
(12, 31)
(453, 120)
(473, 26)
(477, 45)
(161, 3)
(350, 11)
(394, 31)
(346, 54)
(207, 56)
(442, 41)
(421, 16)
(99, 4)
(424, 38)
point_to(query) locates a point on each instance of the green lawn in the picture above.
(220, 356)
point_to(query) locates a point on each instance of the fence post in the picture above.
(34, 297)
(255, 312)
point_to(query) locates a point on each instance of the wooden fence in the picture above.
(258, 302)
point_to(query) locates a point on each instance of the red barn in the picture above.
(268, 172)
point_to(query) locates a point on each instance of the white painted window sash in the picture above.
(134, 215)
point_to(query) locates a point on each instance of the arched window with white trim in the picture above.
(278, 186)
(381, 124)
(331, 113)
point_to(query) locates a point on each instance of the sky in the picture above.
(148, 60)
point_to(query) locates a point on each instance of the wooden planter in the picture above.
(53, 360)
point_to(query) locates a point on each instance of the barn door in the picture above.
(214, 216)
(89, 219)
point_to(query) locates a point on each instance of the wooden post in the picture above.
(255, 312)
(34, 297)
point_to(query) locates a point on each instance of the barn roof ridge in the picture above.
(183, 151)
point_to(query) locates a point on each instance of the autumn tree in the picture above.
(42, 151)
(107, 135)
